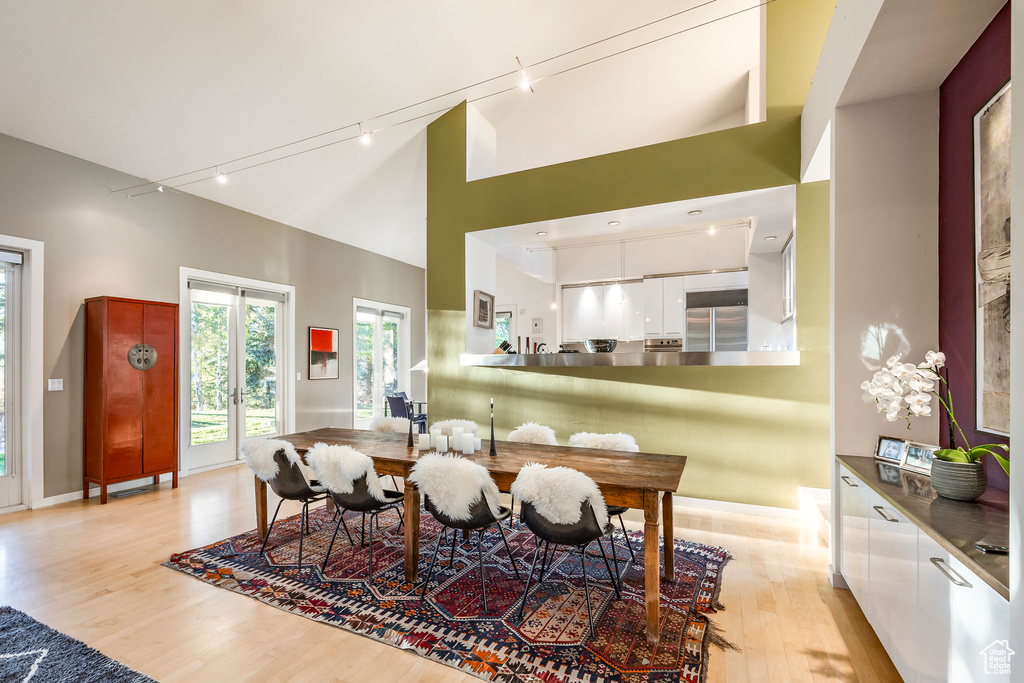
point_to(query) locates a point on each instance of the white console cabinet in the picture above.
(937, 619)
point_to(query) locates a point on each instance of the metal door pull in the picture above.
(880, 511)
(847, 480)
(950, 573)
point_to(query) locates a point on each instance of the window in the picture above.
(502, 327)
(381, 357)
(788, 281)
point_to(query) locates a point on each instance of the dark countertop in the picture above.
(954, 525)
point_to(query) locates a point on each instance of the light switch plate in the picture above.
(55, 385)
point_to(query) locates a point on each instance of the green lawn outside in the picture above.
(210, 425)
(363, 412)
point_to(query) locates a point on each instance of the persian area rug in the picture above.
(448, 625)
(32, 651)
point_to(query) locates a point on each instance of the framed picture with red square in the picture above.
(323, 353)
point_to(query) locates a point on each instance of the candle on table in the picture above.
(441, 445)
(456, 439)
(477, 444)
(424, 442)
(467, 443)
(434, 433)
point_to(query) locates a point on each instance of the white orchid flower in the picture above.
(893, 360)
(919, 383)
(921, 410)
(935, 359)
(892, 413)
(865, 385)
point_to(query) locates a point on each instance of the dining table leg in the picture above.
(412, 531)
(261, 508)
(652, 573)
(668, 531)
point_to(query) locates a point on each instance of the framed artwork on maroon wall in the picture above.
(992, 258)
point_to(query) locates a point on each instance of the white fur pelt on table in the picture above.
(608, 442)
(454, 484)
(446, 426)
(339, 467)
(531, 432)
(399, 425)
(259, 456)
(557, 493)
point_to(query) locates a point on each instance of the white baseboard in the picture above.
(837, 580)
(13, 508)
(739, 508)
(94, 491)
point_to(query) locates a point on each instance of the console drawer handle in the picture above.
(950, 573)
(847, 480)
(880, 511)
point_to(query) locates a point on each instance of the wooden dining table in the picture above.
(644, 481)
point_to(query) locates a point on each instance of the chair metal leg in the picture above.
(430, 569)
(337, 525)
(345, 526)
(271, 527)
(629, 545)
(586, 589)
(303, 530)
(529, 578)
(544, 566)
(455, 539)
(615, 561)
(480, 554)
(510, 557)
(611, 578)
(362, 531)
(372, 516)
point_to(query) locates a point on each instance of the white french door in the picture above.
(380, 357)
(235, 384)
(11, 462)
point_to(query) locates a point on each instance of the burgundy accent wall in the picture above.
(972, 83)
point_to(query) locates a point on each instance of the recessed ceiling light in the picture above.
(695, 212)
(541, 233)
(711, 230)
(613, 223)
(769, 238)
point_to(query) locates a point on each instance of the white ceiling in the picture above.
(160, 89)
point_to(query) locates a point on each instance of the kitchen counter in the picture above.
(653, 359)
(954, 525)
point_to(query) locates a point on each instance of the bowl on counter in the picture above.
(600, 345)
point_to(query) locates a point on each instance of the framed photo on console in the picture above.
(919, 457)
(891, 450)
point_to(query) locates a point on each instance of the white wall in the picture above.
(885, 180)
(480, 274)
(764, 294)
(532, 299)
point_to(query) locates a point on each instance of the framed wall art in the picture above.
(483, 309)
(992, 259)
(323, 353)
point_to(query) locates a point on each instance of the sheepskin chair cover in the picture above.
(339, 467)
(558, 492)
(446, 426)
(259, 456)
(454, 484)
(608, 442)
(531, 432)
(399, 425)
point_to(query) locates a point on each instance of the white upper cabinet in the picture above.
(654, 320)
(674, 305)
(613, 312)
(572, 321)
(633, 312)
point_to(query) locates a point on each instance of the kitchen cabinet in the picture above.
(572, 322)
(582, 313)
(892, 575)
(855, 535)
(633, 312)
(674, 305)
(613, 297)
(654, 296)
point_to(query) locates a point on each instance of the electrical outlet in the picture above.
(55, 385)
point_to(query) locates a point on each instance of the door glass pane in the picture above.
(364, 365)
(389, 356)
(502, 321)
(260, 368)
(4, 277)
(209, 388)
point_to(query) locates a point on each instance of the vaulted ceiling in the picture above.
(162, 89)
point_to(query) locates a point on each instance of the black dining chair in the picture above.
(481, 516)
(290, 484)
(577, 536)
(614, 442)
(361, 500)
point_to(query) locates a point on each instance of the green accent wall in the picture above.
(751, 435)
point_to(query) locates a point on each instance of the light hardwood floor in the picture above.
(94, 573)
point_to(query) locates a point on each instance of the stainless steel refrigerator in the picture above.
(720, 324)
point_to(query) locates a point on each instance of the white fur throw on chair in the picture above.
(339, 467)
(558, 492)
(446, 426)
(454, 484)
(259, 456)
(399, 425)
(608, 442)
(531, 432)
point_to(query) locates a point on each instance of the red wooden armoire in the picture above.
(131, 391)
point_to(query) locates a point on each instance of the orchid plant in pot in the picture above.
(903, 391)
